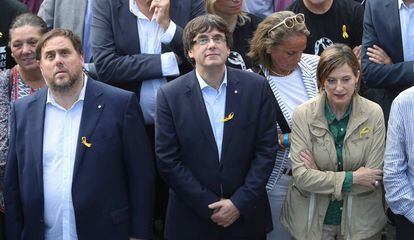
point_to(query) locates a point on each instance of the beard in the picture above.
(64, 86)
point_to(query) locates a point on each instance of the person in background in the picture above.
(23, 79)
(331, 21)
(241, 25)
(399, 164)
(276, 53)
(75, 15)
(137, 46)
(9, 9)
(33, 5)
(337, 150)
(388, 49)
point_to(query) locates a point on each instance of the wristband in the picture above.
(286, 140)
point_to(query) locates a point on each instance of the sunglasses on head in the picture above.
(289, 22)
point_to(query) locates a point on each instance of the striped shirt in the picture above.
(399, 156)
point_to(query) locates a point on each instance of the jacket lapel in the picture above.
(93, 106)
(37, 115)
(128, 25)
(395, 39)
(233, 97)
(199, 109)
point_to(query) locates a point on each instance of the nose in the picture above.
(27, 48)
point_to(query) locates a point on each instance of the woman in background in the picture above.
(276, 52)
(242, 26)
(24, 78)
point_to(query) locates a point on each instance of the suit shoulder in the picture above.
(179, 83)
(110, 90)
(245, 76)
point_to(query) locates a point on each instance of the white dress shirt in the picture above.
(407, 29)
(151, 35)
(60, 137)
(399, 156)
(215, 102)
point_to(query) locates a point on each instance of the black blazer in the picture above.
(115, 42)
(382, 27)
(113, 180)
(188, 159)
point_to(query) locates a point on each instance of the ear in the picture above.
(190, 54)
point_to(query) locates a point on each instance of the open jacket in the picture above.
(311, 190)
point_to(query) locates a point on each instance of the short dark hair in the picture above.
(28, 19)
(203, 24)
(334, 57)
(58, 32)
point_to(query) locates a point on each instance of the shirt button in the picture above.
(340, 145)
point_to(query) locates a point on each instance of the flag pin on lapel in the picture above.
(86, 143)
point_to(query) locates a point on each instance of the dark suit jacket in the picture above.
(113, 180)
(115, 42)
(188, 160)
(382, 27)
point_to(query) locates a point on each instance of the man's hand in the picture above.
(161, 10)
(225, 213)
(378, 55)
(357, 51)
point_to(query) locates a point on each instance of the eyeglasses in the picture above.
(218, 39)
(289, 22)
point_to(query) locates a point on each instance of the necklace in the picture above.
(280, 75)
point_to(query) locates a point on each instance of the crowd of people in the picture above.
(206, 119)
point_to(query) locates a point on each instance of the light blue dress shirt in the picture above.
(407, 29)
(399, 156)
(60, 138)
(151, 35)
(215, 102)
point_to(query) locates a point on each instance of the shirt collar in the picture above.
(401, 5)
(203, 84)
(51, 100)
(134, 9)
(330, 116)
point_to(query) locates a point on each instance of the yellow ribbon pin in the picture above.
(344, 33)
(228, 118)
(85, 142)
(363, 131)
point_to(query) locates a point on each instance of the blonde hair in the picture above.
(242, 17)
(264, 41)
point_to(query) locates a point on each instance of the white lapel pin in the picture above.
(99, 106)
(235, 91)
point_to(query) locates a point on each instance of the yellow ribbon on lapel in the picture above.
(344, 33)
(228, 118)
(363, 131)
(85, 142)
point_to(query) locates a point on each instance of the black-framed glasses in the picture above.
(289, 22)
(217, 39)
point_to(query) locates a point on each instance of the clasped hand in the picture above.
(225, 212)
